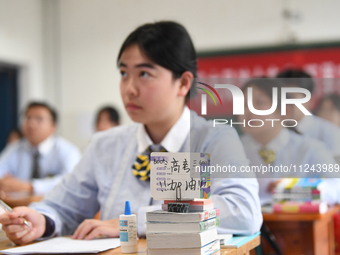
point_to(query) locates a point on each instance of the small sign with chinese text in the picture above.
(172, 170)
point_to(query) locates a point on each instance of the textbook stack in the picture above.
(298, 196)
(192, 233)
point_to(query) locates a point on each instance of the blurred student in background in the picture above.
(272, 144)
(311, 126)
(37, 162)
(107, 117)
(329, 109)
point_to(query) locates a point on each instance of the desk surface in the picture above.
(300, 216)
(141, 248)
(302, 233)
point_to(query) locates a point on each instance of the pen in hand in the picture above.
(9, 209)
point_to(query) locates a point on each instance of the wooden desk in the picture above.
(141, 248)
(302, 233)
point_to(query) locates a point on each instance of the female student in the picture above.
(272, 144)
(157, 63)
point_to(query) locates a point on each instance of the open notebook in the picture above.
(65, 245)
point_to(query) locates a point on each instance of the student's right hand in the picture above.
(92, 228)
(16, 231)
(12, 184)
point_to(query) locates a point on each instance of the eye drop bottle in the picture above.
(128, 230)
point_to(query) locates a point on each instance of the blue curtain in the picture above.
(8, 103)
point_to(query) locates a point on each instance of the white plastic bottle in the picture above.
(128, 230)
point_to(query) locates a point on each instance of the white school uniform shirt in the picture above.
(291, 149)
(321, 130)
(103, 180)
(57, 158)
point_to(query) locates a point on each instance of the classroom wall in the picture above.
(70, 46)
(21, 44)
(29, 40)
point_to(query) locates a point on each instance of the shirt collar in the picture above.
(44, 147)
(305, 123)
(275, 145)
(279, 141)
(174, 139)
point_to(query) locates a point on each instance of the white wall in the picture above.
(70, 46)
(319, 20)
(21, 44)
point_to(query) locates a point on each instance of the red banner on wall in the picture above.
(319, 62)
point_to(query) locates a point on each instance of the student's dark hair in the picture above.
(52, 111)
(297, 77)
(113, 114)
(334, 98)
(167, 44)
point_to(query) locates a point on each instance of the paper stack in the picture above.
(190, 233)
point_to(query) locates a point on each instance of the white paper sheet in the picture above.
(66, 245)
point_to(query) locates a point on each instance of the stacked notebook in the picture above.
(298, 196)
(192, 233)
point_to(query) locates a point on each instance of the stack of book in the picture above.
(298, 196)
(192, 233)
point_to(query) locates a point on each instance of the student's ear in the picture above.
(185, 83)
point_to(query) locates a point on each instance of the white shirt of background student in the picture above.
(57, 157)
(316, 127)
(293, 149)
(289, 147)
